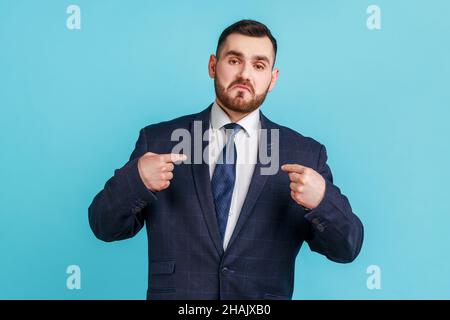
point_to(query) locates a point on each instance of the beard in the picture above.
(237, 102)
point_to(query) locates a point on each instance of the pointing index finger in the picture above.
(293, 168)
(173, 157)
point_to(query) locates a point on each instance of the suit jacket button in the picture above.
(135, 210)
(320, 227)
(224, 270)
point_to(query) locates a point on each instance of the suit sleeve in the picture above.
(335, 231)
(116, 212)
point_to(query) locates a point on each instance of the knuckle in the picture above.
(151, 155)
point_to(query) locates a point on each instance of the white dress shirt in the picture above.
(246, 142)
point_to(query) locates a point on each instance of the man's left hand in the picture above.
(307, 185)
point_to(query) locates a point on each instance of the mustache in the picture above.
(243, 83)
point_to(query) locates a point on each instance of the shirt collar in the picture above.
(219, 118)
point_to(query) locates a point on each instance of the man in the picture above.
(220, 228)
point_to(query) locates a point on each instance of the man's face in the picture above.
(243, 72)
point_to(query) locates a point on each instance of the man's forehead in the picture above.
(248, 46)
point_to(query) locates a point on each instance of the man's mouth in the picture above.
(240, 86)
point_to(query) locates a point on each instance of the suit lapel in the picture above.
(202, 180)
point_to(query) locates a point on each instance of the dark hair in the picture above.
(249, 28)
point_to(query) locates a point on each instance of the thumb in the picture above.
(152, 153)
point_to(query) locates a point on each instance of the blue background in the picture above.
(72, 103)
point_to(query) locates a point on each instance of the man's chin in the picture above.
(242, 108)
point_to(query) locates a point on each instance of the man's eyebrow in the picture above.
(241, 55)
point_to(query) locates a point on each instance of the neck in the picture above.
(233, 115)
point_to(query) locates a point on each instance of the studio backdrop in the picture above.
(79, 79)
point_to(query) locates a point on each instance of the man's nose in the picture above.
(245, 71)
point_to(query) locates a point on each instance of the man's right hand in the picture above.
(156, 169)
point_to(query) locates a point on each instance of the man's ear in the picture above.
(212, 66)
(274, 79)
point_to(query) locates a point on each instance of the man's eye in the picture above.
(234, 61)
(259, 67)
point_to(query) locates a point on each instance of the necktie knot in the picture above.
(231, 129)
(234, 127)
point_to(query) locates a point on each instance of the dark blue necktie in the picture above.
(222, 182)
